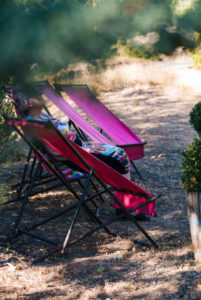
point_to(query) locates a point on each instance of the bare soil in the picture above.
(104, 267)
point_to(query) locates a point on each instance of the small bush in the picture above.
(195, 117)
(6, 108)
(196, 53)
(197, 57)
(11, 147)
(135, 49)
(191, 167)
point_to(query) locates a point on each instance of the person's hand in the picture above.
(93, 147)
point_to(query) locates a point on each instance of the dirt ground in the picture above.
(104, 267)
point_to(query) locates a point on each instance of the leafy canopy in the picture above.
(46, 35)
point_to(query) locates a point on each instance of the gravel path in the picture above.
(115, 268)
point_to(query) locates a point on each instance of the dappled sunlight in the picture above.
(172, 74)
(55, 194)
(29, 280)
(108, 279)
(102, 266)
(122, 76)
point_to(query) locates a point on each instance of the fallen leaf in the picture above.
(100, 270)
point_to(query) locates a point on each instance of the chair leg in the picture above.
(93, 202)
(101, 198)
(25, 169)
(19, 191)
(60, 175)
(67, 238)
(112, 220)
(28, 230)
(27, 197)
(136, 169)
(128, 212)
(67, 241)
(94, 217)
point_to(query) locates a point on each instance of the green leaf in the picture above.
(100, 270)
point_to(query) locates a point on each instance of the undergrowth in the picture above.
(135, 49)
(11, 147)
(196, 53)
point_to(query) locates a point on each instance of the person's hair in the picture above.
(21, 102)
(22, 94)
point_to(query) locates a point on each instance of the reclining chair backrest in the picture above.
(91, 131)
(119, 132)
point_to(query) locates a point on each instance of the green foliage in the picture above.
(196, 55)
(47, 35)
(135, 49)
(191, 167)
(196, 52)
(195, 117)
(6, 108)
(11, 148)
(190, 20)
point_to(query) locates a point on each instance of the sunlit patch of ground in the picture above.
(115, 268)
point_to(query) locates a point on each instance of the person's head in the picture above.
(28, 100)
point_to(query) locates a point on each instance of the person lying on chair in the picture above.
(30, 104)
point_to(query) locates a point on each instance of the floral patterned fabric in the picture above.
(63, 127)
(68, 172)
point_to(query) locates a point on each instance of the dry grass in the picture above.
(116, 73)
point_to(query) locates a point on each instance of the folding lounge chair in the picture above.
(119, 132)
(47, 134)
(34, 180)
(44, 178)
(87, 127)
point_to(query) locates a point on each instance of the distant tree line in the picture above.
(39, 36)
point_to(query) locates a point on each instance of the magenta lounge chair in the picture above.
(120, 133)
(44, 133)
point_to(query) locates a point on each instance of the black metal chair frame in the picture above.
(82, 202)
(43, 177)
(30, 164)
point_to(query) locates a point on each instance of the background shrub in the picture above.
(195, 117)
(11, 146)
(135, 49)
(191, 167)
